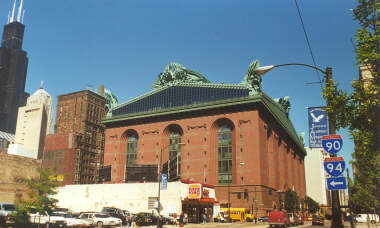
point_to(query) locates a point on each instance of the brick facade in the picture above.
(262, 153)
(13, 172)
(77, 147)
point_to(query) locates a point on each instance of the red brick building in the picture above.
(234, 137)
(77, 146)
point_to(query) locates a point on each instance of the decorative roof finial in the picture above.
(20, 11)
(13, 12)
(42, 84)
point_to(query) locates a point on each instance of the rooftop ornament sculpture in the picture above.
(284, 103)
(111, 101)
(175, 73)
(253, 80)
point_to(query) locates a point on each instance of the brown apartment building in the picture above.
(77, 146)
(233, 137)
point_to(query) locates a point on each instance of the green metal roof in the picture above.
(273, 107)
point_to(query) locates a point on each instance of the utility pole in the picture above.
(336, 214)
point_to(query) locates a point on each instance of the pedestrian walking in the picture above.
(204, 218)
(133, 221)
(185, 218)
(181, 220)
(128, 221)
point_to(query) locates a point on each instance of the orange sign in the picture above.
(194, 191)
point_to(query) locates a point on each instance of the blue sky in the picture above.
(125, 44)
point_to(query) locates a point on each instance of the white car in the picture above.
(100, 219)
(363, 218)
(69, 220)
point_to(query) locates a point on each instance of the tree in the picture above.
(291, 201)
(39, 192)
(311, 205)
(360, 110)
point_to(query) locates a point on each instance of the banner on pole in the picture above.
(164, 181)
(317, 126)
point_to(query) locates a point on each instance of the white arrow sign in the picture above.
(333, 183)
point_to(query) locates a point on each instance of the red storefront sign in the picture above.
(194, 191)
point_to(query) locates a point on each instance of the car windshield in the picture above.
(9, 207)
(56, 214)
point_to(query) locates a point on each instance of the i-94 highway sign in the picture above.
(334, 166)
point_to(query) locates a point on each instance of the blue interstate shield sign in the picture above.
(317, 126)
(332, 143)
(336, 183)
(334, 166)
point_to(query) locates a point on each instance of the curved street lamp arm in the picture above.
(301, 64)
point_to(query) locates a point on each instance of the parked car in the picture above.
(278, 219)
(115, 212)
(294, 219)
(373, 218)
(5, 211)
(263, 219)
(100, 219)
(146, 219)
(317, 220)
(307, 218)
(69, 220)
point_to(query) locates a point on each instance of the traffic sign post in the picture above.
(332, 143)
(336, 183)
(334, 166)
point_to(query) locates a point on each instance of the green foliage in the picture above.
(360, 110)
(39, 192)
(291, 201)
(312, 205)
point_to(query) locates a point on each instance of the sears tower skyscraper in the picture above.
(13, 68)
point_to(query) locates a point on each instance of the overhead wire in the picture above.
(308, 42)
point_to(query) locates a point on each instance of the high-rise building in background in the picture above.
(13, 69)
(34, 122)
(77, 146)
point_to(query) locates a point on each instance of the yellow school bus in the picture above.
(238, 214)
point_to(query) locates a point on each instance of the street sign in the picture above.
(334, 166)
(164, 181)
(332, 143)
(317, 126)
(336, 183)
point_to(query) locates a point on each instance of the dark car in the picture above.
(318, 221)
(146, 219)
(263, 219)
(115, 212)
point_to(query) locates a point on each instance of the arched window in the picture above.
(174, 155)
(224, 154)
(131, 150)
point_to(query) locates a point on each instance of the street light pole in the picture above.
(229, 200)
(159, 183)
(336, 216)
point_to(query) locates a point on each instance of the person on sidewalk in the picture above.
(133, 221)
(181, 220)
(204, 218)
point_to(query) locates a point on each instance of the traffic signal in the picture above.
(245, 193)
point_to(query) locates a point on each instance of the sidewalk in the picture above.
(212, 224)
